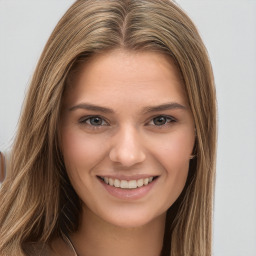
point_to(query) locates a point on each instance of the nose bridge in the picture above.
(127, 147)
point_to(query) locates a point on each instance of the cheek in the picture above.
(173, 154)
(175, 149)
(81, 151)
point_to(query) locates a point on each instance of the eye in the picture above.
(93, 121)
(161, 120)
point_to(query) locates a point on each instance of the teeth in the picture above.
(125, 184)
(117, 183)
(110, 182)
(132, 184)
(146, 181)
(140, 183)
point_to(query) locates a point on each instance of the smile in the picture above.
(127, 184)
(128, 188)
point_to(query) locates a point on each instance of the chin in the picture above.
(135, 220)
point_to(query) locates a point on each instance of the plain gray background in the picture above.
(228, 29)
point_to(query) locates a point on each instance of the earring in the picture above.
(192, 157)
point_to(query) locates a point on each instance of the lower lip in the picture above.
(129, 194)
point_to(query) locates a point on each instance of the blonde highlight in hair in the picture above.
(38, 202)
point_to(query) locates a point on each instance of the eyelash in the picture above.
(168, 120)
(89, 118)
(85, 120)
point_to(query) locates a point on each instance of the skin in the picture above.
(133, 138)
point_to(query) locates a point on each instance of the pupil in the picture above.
(159, 120)
(96, 121)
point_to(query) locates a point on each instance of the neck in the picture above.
(97, 237)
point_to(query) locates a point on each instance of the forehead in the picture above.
(129, 76)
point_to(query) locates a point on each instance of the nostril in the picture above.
(126, 157)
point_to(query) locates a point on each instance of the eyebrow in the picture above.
(92, 107)
(165, 106)
(162, 107)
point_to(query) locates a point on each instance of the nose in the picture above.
(127, 148)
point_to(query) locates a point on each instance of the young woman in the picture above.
(115, 152)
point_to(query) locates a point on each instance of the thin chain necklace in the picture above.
(70, 244)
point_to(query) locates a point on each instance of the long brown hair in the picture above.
(38, 202)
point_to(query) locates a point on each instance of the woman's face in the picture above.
(127, 135)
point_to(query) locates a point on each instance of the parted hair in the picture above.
(37, 200)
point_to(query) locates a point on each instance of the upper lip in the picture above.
(125, 177)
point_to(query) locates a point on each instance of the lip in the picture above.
(129, 194)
